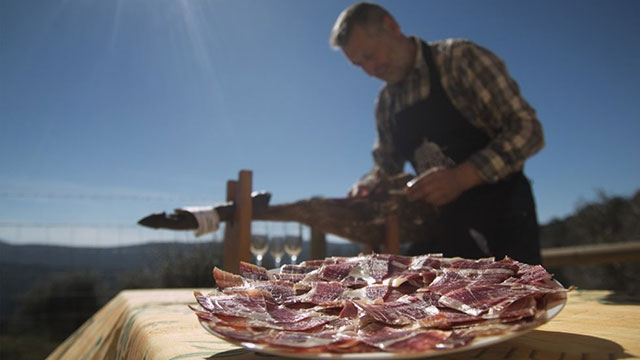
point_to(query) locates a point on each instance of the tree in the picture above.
(58, 306)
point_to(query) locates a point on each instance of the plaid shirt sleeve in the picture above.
(479, 85)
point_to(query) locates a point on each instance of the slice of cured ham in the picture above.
(377, 302)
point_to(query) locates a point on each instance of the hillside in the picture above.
(23, 267)
(98, 259)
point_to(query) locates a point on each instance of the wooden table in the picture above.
(157, 324)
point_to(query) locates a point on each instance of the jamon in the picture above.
(377, 303)
(404, 311)
(360, 220)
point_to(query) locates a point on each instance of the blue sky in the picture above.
(113, 109)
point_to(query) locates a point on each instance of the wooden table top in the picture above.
(157, 324)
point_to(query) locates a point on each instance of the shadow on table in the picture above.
(537, 344)
(240, 354)
(540, 344)
(621, 298)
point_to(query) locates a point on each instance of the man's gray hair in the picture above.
(367, 15)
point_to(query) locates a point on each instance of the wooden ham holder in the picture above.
(237, 234)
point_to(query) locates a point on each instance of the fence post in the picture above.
(318, 244)
(237, 234)
(244, 213)
(230, 245)
(392, 234)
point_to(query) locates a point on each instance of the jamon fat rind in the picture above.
(377, 303)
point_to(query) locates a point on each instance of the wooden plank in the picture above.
(392, 234)
(243, 215)
(230, 245)
(607, 253)
(318, 244)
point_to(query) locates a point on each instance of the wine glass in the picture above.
(293, 241)
(259, 241)
(276, 249)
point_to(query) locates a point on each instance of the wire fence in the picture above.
(37, 195)
(92, 234)
(18, 230)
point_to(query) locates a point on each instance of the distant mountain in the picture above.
(24, 266)
(98, 259)
(116, 258)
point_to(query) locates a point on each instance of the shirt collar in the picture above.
(420, 68)
(420, 65)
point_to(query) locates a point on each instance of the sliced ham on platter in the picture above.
(378, 303)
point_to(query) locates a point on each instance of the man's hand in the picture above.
(440, 186)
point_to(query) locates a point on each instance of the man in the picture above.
(451, 109)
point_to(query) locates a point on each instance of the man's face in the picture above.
(377, 53)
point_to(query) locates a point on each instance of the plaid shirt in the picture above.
(479, 86)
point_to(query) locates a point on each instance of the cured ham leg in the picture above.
(358, 219)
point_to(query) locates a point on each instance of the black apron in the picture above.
(496, 219)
